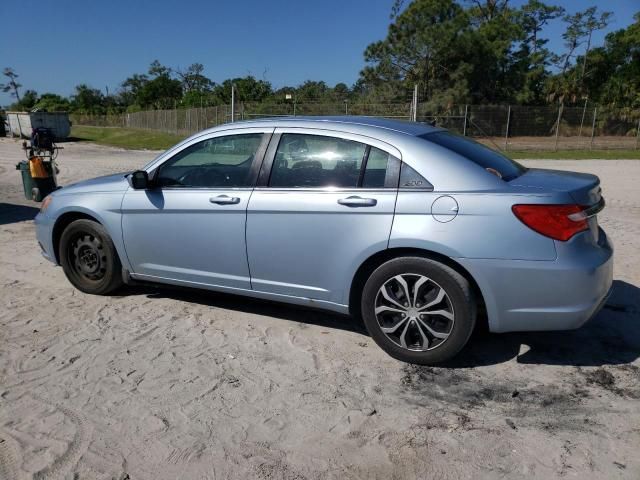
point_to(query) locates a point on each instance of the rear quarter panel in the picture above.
(484, 227)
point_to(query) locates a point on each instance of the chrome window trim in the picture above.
(356, 137)
(416, 190)
(325, 189)
(209, 189)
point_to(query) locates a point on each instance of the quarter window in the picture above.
(409, 178)
(213, 163)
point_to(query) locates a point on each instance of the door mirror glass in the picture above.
(139, 180)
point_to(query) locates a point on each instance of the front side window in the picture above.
(213, 163)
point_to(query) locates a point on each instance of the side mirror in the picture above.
(139, 180)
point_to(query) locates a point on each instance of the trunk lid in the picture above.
(584, 188)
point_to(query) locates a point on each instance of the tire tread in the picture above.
(463, 299)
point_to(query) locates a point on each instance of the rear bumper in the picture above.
(44, 235)
(545, 295)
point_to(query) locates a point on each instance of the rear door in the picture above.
(324, 203)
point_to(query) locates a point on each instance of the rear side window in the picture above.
(488, 159)
(376, 169)
(314, 161)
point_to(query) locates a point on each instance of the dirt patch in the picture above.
(160, 383)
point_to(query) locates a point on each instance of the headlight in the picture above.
(45, 203)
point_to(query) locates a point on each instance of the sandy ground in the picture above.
(165, 383)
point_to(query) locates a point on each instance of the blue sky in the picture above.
(102, 42)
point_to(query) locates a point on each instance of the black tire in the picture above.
(459, 299)
(89, 259)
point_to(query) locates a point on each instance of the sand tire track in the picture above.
(10, 458)
(78, 446)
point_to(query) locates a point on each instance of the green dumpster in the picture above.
(36, 188)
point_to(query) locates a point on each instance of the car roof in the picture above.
(344, 123)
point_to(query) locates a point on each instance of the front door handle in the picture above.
(358, 202)
(225, 200)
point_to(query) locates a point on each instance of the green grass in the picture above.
(125, 137)
(575, 154)
(152, 140)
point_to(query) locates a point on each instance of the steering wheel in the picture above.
(196, 177)
(186, 177)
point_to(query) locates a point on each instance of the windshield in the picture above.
(479, 154)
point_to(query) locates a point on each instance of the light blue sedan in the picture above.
(420, 232)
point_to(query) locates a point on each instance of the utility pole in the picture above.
(414, 103)
(506, 133)
(584, 112)
(555, 149)
(464, 126)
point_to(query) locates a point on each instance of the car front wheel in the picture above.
(89, 259)
(418, 310)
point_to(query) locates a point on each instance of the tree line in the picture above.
(455, 51)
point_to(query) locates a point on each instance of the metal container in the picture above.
(21, 123)
(36, 188)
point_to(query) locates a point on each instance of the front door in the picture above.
(325, 204)
(190, 227)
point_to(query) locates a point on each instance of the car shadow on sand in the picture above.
(12, 213)
(239, 303)
(610, 338)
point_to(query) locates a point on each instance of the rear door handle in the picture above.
(225, 200)
(358, 202)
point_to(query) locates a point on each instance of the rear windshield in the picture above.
(488, 159)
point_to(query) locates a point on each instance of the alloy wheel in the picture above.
(414, 312)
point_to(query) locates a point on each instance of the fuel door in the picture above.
(444, 208)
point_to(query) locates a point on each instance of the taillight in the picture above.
(560, 222)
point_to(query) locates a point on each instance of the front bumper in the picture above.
(545, 295)
(44, 235)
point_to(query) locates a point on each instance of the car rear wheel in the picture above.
(89, 259)
(418, 310)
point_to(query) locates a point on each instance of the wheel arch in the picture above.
(374, 261)
(62, 222)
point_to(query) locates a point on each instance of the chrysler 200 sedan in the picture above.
(416, 230)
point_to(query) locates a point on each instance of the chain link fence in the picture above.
(505, 127)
